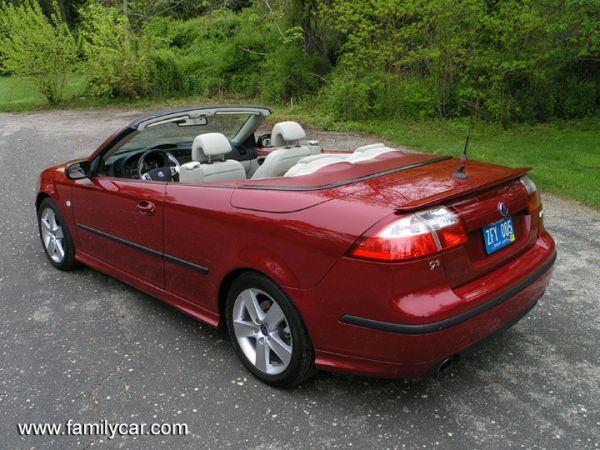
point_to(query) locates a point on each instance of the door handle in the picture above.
(146, 207)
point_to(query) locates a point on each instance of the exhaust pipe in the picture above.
(446, 363)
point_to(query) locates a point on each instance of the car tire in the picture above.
(262, 320)
(55, 236)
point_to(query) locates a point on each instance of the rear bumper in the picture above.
(385, 369)
(454, 320)
(408, 347)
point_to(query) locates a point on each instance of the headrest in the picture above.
(210, 146)
(286, 133)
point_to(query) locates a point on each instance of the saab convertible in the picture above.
(377, 261)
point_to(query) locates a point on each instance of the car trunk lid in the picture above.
(478, 210)
(475, 199)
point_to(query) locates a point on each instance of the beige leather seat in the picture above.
(366, 148)
(314, 163)
(278, 162)
(209, 163)
(370, 152)
(311, 164)
(287, 134)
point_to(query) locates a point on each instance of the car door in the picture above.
(120, 222)
(197, 227)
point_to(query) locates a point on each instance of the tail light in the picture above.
(413, 236)
(534, 201)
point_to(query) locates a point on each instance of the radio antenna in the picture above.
(460, 172)
(465, 156)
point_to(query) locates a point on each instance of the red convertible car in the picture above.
(375, 261)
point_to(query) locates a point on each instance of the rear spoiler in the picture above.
(462, 190)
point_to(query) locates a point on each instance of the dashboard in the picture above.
(126, 165)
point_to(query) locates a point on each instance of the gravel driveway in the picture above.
(86, 347)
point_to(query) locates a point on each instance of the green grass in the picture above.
(19, 94)
(564, 155)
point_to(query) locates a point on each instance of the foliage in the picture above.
(235, 54)
(291, 73)
(34, 45)
(514, 58)
(510, 61)
(212, 56)
(116, 59)
(375, 95)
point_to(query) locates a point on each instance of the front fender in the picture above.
(54, 184)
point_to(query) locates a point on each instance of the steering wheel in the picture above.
(168, 172)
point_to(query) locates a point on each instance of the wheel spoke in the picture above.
(244, 329)
(59, 233)
(47, 239)
(262, 356)
(252, 306)
(60, 250)
(52, 220)
(281, 349)
(274, 317)
(46, 223)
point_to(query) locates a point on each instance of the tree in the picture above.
(32, 44)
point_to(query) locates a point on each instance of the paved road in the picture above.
(86, 347)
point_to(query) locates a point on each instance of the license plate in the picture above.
(498, 235)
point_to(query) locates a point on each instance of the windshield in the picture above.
(181, 132)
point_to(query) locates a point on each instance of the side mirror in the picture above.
(78, 170)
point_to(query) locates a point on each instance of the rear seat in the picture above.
(365, 148)
(314, 163)
(369, 152)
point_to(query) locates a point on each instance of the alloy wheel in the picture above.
(262, 331)
(53, 236)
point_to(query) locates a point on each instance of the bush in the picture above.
(291, 73)
(407, 98)
(118, 60)
(520, 60)
(213, 56)
(349, 97)
(37, 46)
(164, 74)
(233, 54)
(576, 98)
(377, 95)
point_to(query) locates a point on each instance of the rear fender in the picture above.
(270, 264)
